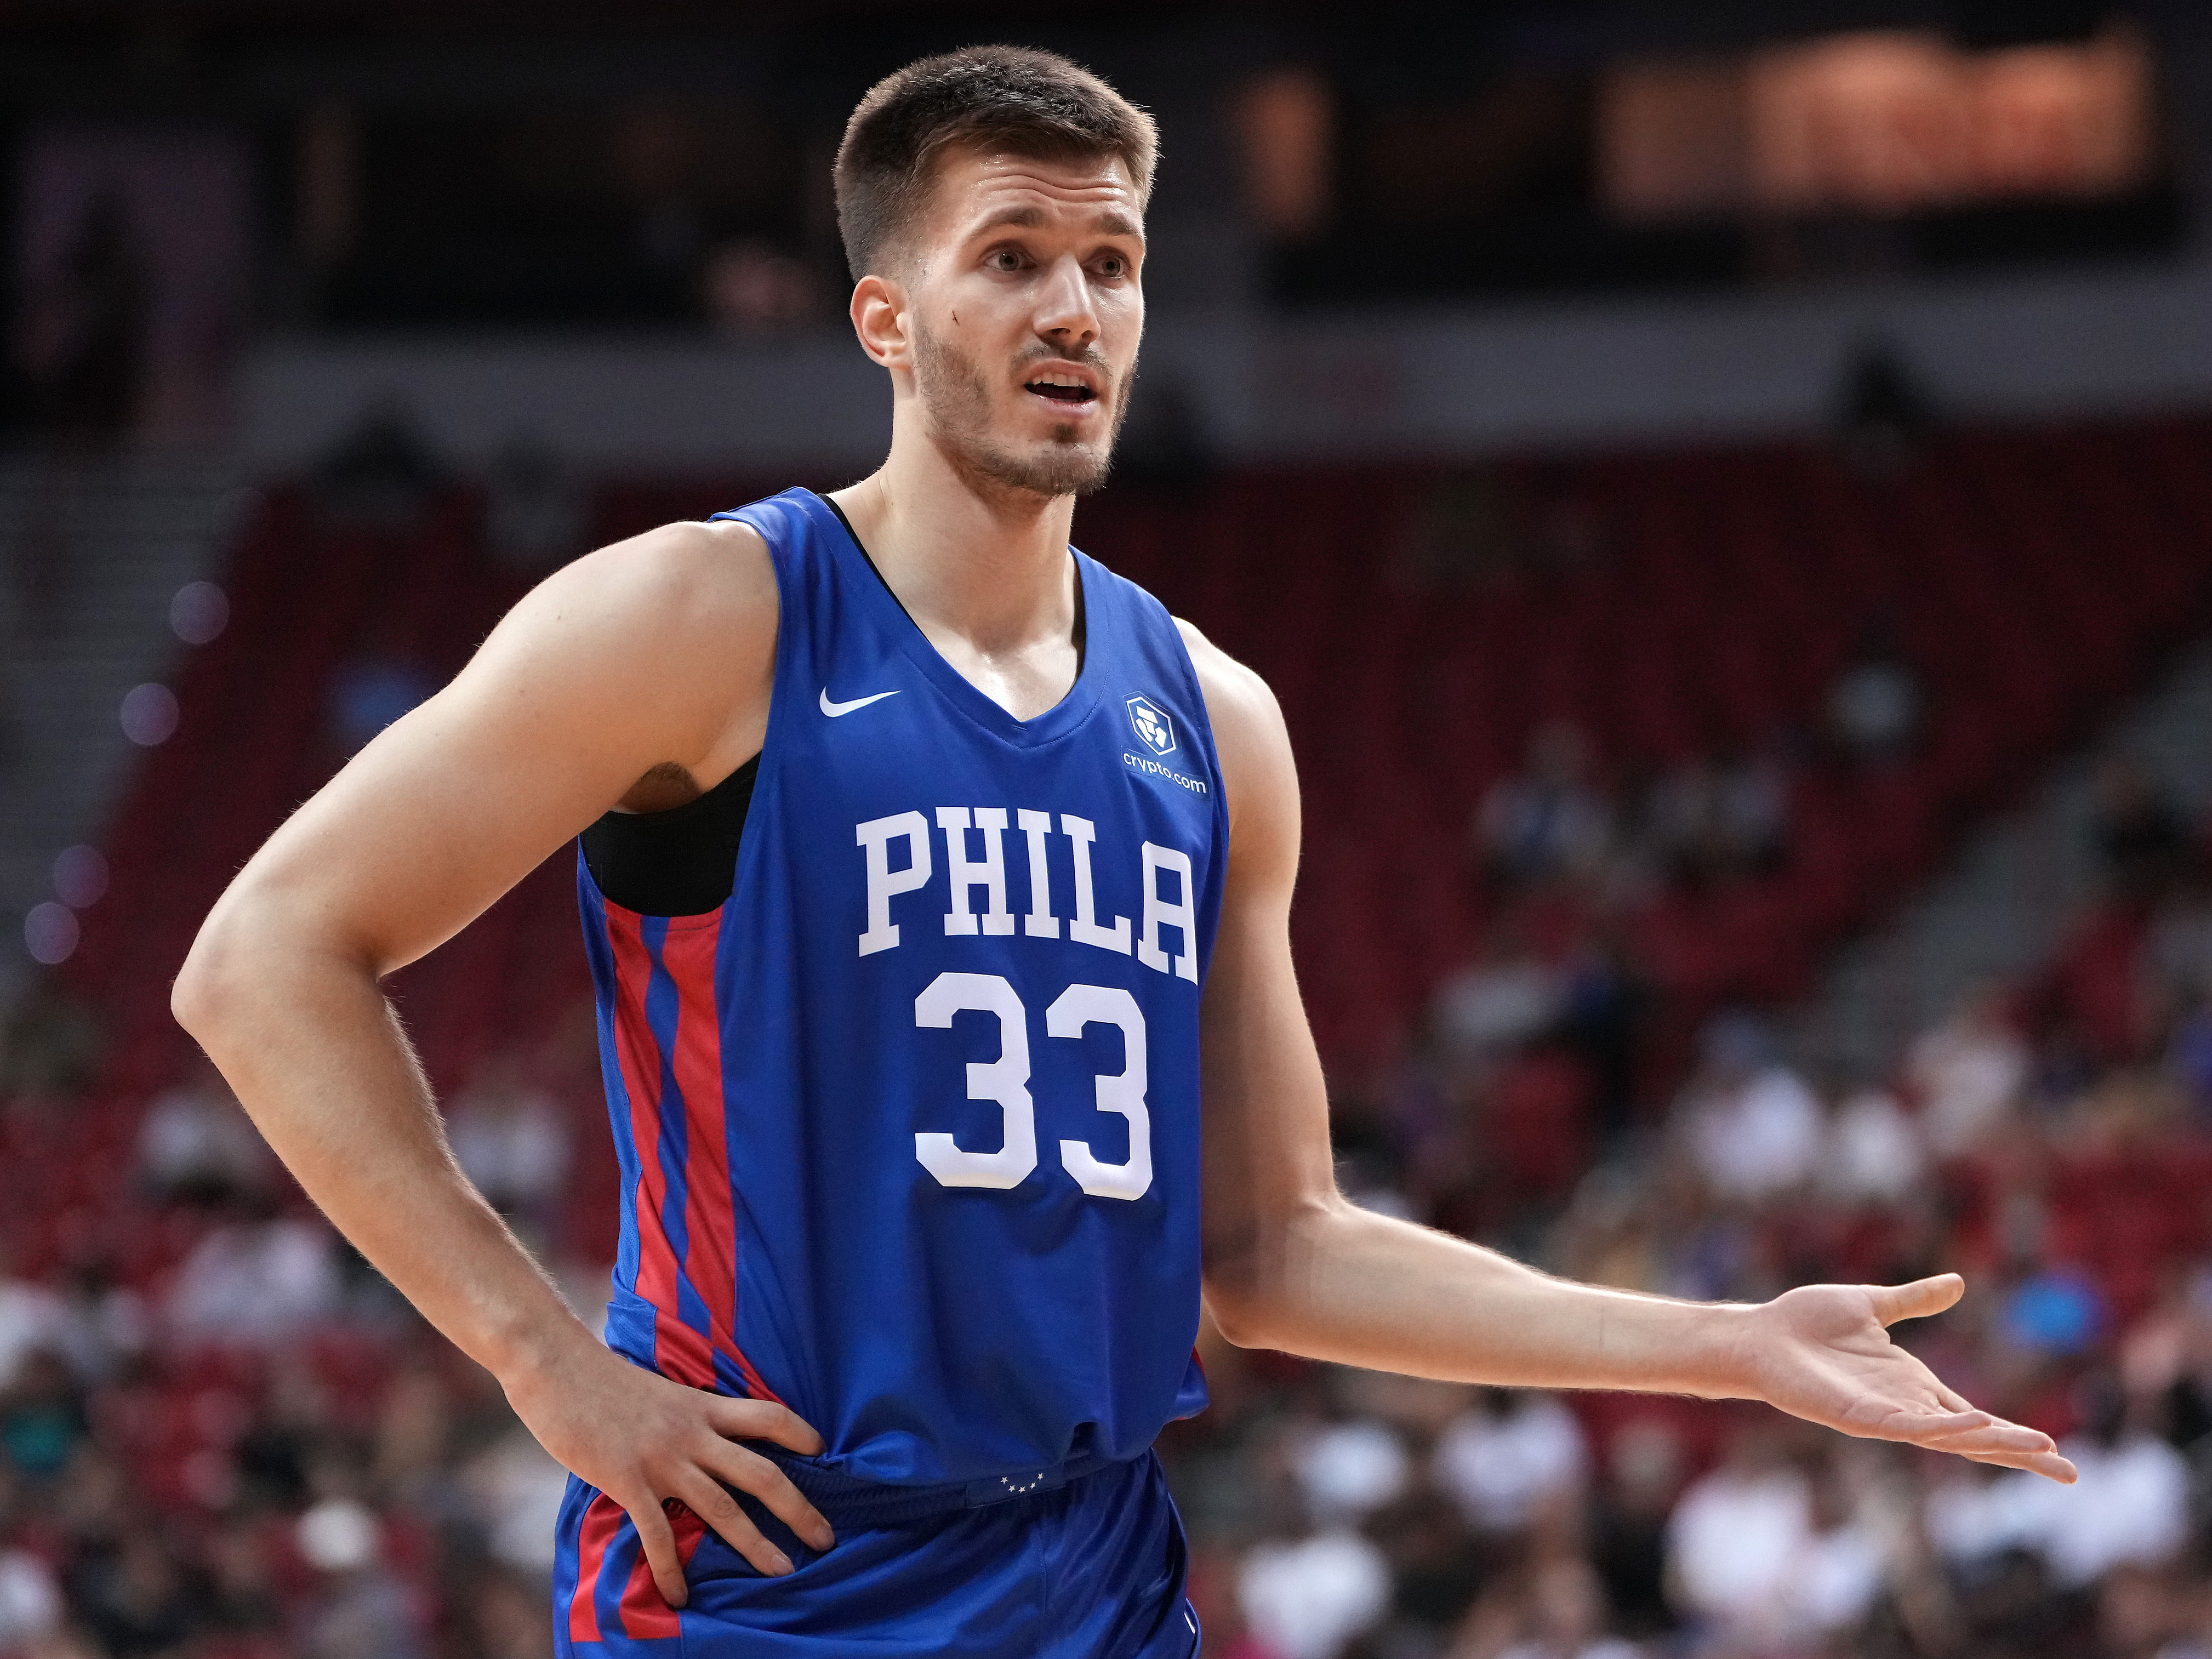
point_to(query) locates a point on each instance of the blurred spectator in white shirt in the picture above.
(1753, 1127)
(1768, 1558)
(1309, 1598)
(1349, 1469)
(1514, 1453)
(255, 1282)
(1874, 1153)
(30, 1601)
(1510, 996)
(197, 1143)
(511, 1139)
(1968, 1072)
(32, 1319)
(2130, 1505)
(514, 1490)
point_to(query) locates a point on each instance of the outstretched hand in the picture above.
(1823, 1352)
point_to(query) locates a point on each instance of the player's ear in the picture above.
(879, 318)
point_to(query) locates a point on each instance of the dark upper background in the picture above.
(482, 163)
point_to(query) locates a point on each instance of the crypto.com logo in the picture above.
(1154, 729)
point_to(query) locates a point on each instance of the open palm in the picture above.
(1823, 1352)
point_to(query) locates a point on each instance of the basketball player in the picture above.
(932, 876)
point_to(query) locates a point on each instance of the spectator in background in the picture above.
(1968, 1074)
(1705, 820)
(1511, 996)
(1753, 1127)
(197, 1146)
(1874, 1153)
(31, 1606)
(1876, 705)
(32, 1319)
(1512, 1458)
(133, 1595)
(1549, 821)
(42, 1418)
(255, 1282)
(2142, 841)
(359, 1610)
(511, 1139)
(1307, 1597)
(1774, 1560)
(1628, 1525)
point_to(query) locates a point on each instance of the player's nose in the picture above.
(1065, 314)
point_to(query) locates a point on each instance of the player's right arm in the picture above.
(650, 659)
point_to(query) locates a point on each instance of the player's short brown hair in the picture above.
(1033, 103)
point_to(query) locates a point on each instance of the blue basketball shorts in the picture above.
(1094, 1569)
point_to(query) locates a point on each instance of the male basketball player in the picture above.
(932, 876)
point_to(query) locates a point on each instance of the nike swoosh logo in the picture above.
(834, 710)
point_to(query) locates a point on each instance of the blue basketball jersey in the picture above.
(910, 1127)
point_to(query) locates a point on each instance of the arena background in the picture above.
(1722, 491)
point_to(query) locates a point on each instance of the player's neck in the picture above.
(986, 564)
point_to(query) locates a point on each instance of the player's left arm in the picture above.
(1289, 1264)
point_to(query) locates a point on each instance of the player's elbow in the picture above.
(246, 952)
(206, 991)
(1242, 1319)
(1245, 1287)
(1260, 1273)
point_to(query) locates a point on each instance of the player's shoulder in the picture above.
(677, 583)
(1236, 696)
(1258, 777)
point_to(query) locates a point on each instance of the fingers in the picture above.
(2009, 1445)
(719, 1511)
(658, 1541)
(762, 1419)
(749, 1472)
(1929, 1428)
(1918, 1300)
(2050, 1465)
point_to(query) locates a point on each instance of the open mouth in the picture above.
(1061, 391)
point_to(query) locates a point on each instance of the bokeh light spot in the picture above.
(149, 715)
(80, 877)
(50, 932)
(200, 612)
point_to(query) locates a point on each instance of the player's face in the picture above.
(1027, 309)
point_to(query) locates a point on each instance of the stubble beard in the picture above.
(957, 400)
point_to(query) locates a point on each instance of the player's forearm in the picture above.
(1342, 1284)
(318, 1060)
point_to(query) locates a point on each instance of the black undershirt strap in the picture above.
(682, 862)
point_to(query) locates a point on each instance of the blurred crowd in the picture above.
(230, 1439)
(2049, 1140)
(253, 1449)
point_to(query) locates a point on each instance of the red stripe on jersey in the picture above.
(687, 954)
(645, 1616)
(602, 1517)
(678, 1352)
